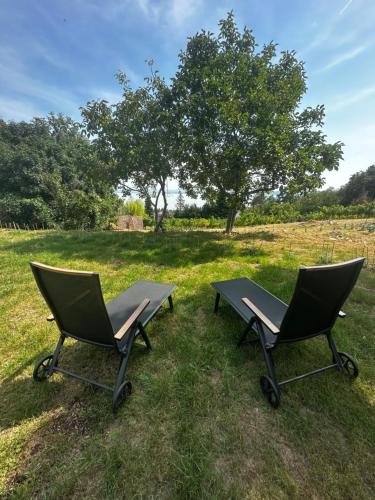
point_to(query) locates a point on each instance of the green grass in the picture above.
(197, 425)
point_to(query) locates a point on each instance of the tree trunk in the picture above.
(159, 224)
(230, 220)
(156, 215)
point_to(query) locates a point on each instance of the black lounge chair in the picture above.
(319, 294)
(77, 305)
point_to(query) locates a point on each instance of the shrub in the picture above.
(133, 207)
(273, 213)
(81, 210)
(26, 211)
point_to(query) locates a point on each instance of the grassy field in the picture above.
(197, 425)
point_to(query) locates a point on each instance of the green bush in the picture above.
(88, 210)
(26, 211)
(148, 221)
(50, 175)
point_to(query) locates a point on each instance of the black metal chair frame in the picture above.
(122, 389)
(270, 385)
(131, 329)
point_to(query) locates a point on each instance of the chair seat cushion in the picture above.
(121, 308)
(271, 306)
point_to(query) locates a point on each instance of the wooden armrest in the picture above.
(341, 314)
(50, 317)
(263, 318)
(132, 319)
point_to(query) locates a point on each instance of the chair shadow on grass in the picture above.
(255, 252)
(169, 249)
(23, 398)
(256, 235)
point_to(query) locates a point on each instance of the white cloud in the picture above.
(334, 30)
(14, 79)
(108, 94)
(171, 12)
(320, 39)
(330, 38)
(21, 83)
(134, 77)
(152, 11)
(49, 55)
(351, 98)
(17, 110)
(180, 10)
(346, 56)
(345, 7)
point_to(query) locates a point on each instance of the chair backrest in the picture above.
(319, 295)
(76, 301)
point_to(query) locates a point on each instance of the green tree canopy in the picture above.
(241, 129)
(316, 200)
(360, 187)
(49, 175)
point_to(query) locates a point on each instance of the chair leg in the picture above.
(122, 369)
(269, 385)
(335, 354)
(144, 336)
(56, 355)
(122, 388)
(246, 332)
(270, 366)
(217, 300)
(46, 366)
(170, 300)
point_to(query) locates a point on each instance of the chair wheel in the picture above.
(41, 369)
(349, 364)
(270, 390)
(121, 395)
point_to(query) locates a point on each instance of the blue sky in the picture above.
(55, 55)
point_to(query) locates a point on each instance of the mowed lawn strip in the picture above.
(196, 425)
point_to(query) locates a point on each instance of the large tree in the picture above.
(136, 136)
(241, 129)
(48, 176)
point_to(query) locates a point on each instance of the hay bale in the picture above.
(130, 222)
